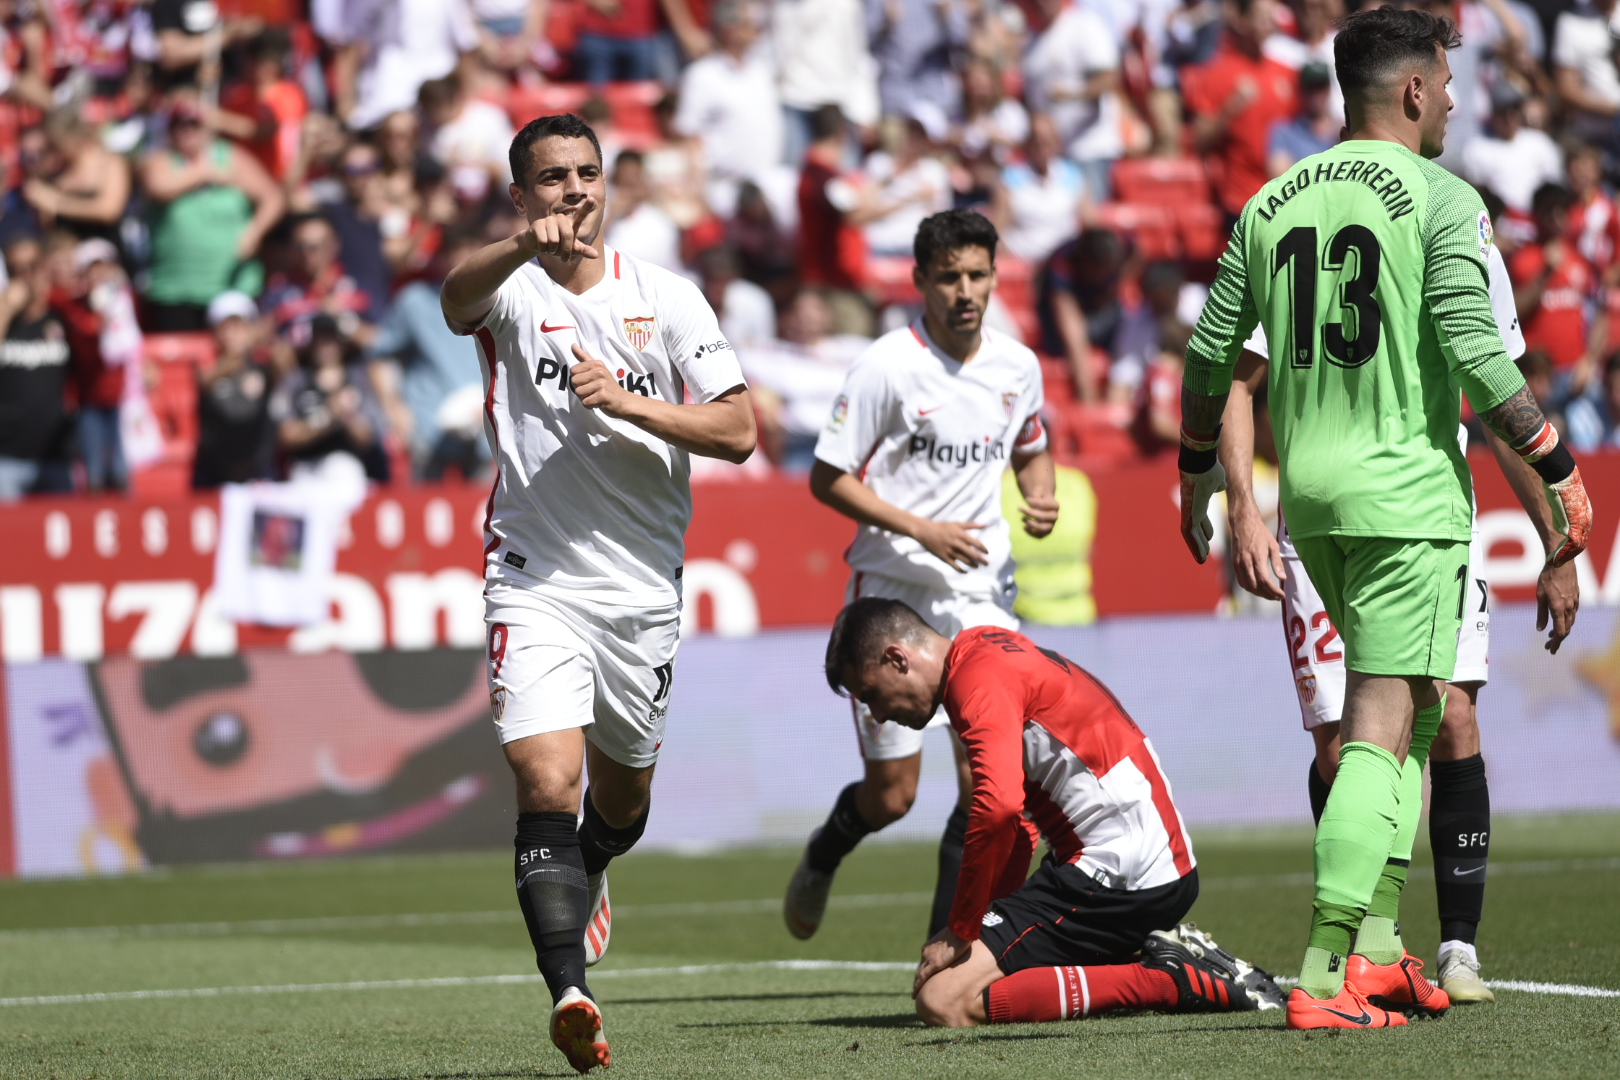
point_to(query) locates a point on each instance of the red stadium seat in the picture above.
(1165, 181)
(633, 105)
(1015, 286)
(1152, 227)
(1057, 380)
(1203, 231)
(889, 278)
(175, 360)
(1098, 435)
(524, 103)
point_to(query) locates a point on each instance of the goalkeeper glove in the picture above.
(1566, 494)
(1572, 517)
(1201, 477)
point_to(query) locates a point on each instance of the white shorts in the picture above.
(949, 613)
(1317, 653)
(554, 665)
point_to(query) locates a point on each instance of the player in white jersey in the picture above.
(1459, 817)
(930, 418)
(589, 356)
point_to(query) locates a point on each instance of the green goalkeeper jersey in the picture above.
(1367, 266)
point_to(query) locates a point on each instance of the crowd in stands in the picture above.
(224, 222)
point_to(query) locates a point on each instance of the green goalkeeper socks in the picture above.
(1353, 844)
(1373, 942)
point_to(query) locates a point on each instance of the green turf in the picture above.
(1551, 917)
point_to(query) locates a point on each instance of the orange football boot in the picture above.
(1350, 1009)
(576, 1030)
(1399, 986)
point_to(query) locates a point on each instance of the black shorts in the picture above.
(1062, 917)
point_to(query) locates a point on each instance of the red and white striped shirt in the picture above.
(1046, 741)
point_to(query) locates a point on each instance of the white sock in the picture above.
(1459, 946)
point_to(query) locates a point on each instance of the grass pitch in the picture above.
(1552, 915)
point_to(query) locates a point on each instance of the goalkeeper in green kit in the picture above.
(1367, 266)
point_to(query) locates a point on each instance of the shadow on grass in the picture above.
(1090, 1029)
(898, 1020)
(530, 1075)
(748, 997)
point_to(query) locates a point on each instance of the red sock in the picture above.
(1036, 995)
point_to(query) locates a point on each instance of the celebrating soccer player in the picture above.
(930, 418)
(589, 356)
(1460, 802)
(1367, 265)
(1050, 751)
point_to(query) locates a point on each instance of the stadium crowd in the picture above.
(224, 224)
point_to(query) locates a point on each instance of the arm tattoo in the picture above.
(1517, 420)
(1201, 414)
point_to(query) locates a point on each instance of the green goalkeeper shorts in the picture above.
(1396, 603)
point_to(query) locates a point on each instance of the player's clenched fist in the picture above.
(595, 385)
(1040, 515)
(553, 234)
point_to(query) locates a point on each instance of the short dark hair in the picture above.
(1374, 42)
(861, 632)
(1534, 362)
(562, 126)
(628, 157)
(825, 122)
(950, 230)
(437, 93)
(1551, 198)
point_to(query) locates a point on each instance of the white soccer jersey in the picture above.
(588, 507)
(933, 436)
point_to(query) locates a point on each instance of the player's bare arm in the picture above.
(1037, 482)
(1519, 422)
(469, 290)
(1558, 590)
(952, 542)
(722, 428)
(1256, 559)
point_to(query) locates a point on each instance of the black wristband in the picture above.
(1198, 461)
(1556, 466)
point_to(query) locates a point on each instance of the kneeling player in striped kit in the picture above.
(1097, 927)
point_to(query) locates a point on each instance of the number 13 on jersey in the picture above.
(1354, 327)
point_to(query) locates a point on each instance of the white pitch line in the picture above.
(665, 911)
(456, 981)
(1569, 989)
(447, 981)
(445, 918)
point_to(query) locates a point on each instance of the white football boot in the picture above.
(806, 899)
(576, 1030)
(599, 927)
(1459, 978)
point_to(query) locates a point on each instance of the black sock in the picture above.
(844, 829)
(1319, 792)
(551, 890)
(1460, 834)
(600, 843)
(950, 868)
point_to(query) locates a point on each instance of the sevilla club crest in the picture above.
(1306, 684)
(1009, 401)
(639, 332)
